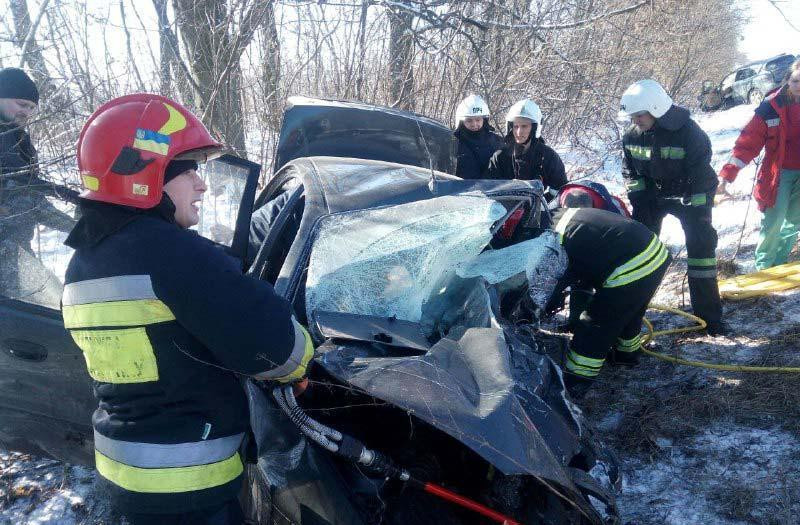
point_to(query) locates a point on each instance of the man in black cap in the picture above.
(23, 203)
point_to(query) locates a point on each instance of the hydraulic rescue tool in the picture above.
(373, 461)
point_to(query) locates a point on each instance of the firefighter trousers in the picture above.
(229, 513)
(613, 317)
(701, 247)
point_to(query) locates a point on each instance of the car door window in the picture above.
(728, 81)
(780, 64)
(744, 74)
(227, 180)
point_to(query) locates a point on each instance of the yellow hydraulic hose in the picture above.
(651, 334)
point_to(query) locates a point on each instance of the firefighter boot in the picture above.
(627, 351)
(716, 328)
(577, 386)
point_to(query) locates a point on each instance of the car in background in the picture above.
(748, 84)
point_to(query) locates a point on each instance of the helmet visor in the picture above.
(201, 155)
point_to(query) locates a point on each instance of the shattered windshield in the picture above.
(419, 262)
(384, 262)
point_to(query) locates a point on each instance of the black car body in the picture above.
(422, 357)
(316, 127)
(748, 84)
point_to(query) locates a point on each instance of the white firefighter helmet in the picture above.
(528, 109)
(472, 106)
(645, 95)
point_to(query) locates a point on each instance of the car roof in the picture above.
(351, 183)
(763, 61)
(296, 100)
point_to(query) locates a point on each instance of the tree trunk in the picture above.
(32, 53)
(164, 48)
(362, 49)
(271, 72)
(214, 63)
(172, 67)
(401, 54)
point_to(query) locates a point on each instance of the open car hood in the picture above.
(314, 127)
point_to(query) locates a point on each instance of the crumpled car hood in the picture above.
(477, 391)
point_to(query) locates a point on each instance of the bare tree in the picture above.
(774, 4)
(271, 67)
(215, 37)
(131, 58)
(165, 47)
(235, 61)
(401, 54)
(30, 51)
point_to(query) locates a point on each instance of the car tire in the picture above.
(755, 96)
(711, 101)
(727, 103)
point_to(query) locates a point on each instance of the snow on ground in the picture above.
(35, 491)
(695, 445)
(747, 457)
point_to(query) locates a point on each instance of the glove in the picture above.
(729, 172)
(298, 374)
(556, 303)
(723, 193)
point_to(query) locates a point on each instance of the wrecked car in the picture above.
(413, 285)
(748, 84)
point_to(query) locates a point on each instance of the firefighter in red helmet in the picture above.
(165, 319)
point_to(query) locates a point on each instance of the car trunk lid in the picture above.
(315, 127)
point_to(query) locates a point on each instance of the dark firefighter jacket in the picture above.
(673, 159)
(538, 161)
(22, 193)
(606, 249)
(475, 148)
(164, 318)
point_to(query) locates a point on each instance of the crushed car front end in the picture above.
(414, 285)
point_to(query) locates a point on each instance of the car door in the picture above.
(46, 399)
(45, 391)
(776, 69)
(743, 82)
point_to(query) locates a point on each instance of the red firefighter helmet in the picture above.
(578, 195)
(591, 195)
(126, 144)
